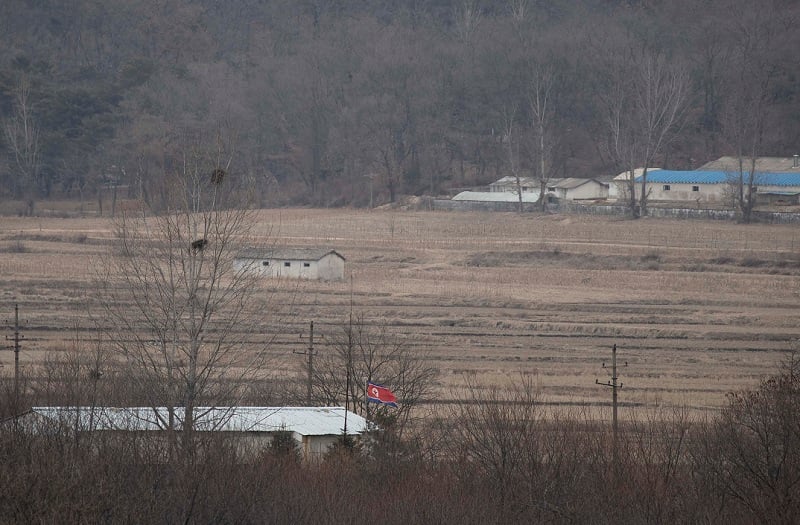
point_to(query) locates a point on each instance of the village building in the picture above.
(507, 190)
(509, 184)
(717, 186)
(620, 185)
(252, 429)
(497, 196)
(297, 263)
(577, 189)
(765, 164)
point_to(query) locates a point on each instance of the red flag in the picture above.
(380, 394)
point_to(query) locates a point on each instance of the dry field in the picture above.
(697, 309)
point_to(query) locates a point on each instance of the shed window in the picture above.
(287, 264)
(306, 265)
(695, 188)
(666, 187)
(265, 263)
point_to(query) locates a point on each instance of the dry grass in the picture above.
(696, 308)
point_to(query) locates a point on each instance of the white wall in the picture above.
(329, 268)
(686, 192)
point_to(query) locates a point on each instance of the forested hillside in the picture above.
(336, 102)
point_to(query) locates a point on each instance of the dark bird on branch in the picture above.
(217, 175)
(199, 244)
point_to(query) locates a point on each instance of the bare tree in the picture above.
(749, 454)
(467, 18)
(496, 429)
(512, 146)
(644, 99)
(362, 353)
(753, 70)
(21, 133)
(542, 102)
(660, 98)
(176, 310)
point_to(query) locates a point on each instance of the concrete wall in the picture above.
(329, 268)
(685, 192)
(590, 190)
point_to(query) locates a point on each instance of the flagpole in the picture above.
(349, 359)
(366, 399)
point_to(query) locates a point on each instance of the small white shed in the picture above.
(297, 263)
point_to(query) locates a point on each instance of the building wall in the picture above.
(590, 190)
(314, 448)
(330, 267)
(686, 192)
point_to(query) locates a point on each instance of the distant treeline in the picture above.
(334, 102)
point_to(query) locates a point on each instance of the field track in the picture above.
(697, 309)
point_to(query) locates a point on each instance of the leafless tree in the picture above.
(21, 133)
(542, 102)
(512, 147)
(467, 17)
(176, 310)
(362, 352)
(752, 74)
(644, 101)
(749, 455)
(496, 429)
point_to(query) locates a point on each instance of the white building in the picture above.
(509, 184)
(298, 263)
(714, 186)
(497, 196)
(578, 189)
(618, 189)
(568, 189)
(314, 429)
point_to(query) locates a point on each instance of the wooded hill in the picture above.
(333, 102)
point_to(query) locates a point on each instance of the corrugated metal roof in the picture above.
(768, 164)
(572, 183)
(719, 177)
(306, 421)
(497, 196)
(510, 179)
(637, 172)
(287, 254)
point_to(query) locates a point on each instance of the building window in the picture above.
(306, 265)
(666, 187)
(265, 263)
(287, 264)
(695, 188)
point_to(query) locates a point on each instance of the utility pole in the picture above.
(614, 387)
(17, 338)
(310, 353)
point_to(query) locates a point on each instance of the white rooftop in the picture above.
(497, 196)
(306, 421)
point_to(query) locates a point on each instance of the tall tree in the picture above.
(178, 311)
(644, 96)
(21, 133)
(754, 70)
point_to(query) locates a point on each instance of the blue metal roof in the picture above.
(719, 177)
